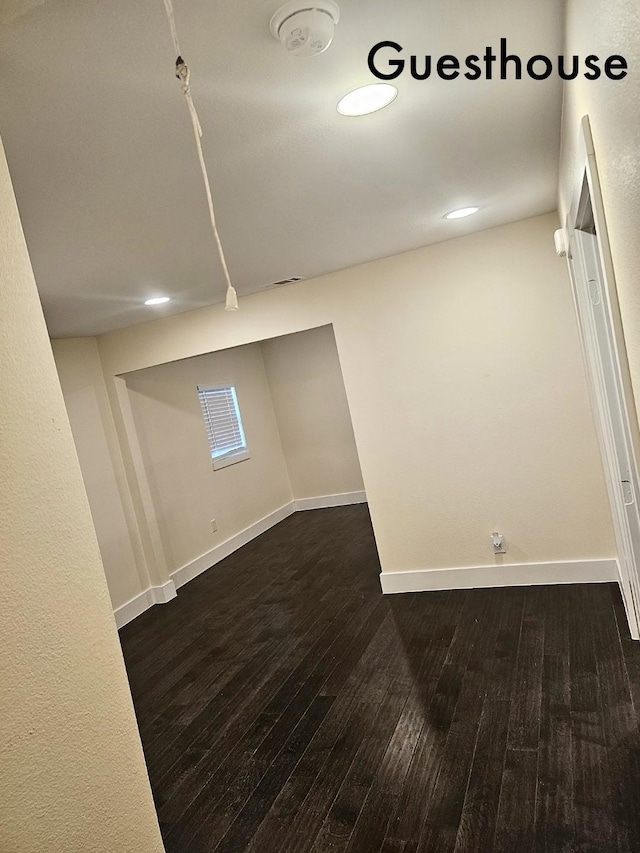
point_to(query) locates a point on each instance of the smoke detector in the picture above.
(305, 29)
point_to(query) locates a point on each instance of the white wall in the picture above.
(606, 27)
(313, 417)
(186, 492)
(85, 397)
(72, 776)
(473, 348)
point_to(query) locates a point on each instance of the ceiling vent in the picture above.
(284, 281)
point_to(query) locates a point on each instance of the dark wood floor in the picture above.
(286, 705)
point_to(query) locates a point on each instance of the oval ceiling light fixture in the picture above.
(461, 213)
(305, 29)
(158, 300)
(367, 99)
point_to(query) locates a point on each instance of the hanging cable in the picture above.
(183, 74)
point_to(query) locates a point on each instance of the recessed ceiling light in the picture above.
(460, 214)
(367, 99)
(158, 300)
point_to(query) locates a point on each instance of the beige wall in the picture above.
(72, 774)
(313, 417)
(186, 492)
(85, 397)
(466, 389)
(606, 27)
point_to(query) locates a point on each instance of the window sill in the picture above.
(225, 461)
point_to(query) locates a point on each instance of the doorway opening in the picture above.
(603, 342)
(227, 444)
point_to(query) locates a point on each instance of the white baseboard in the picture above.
(421, 580)
(165, 593)
(516, 574)
(186, 573)
(134, 608)
(196, 567)
(325, 501)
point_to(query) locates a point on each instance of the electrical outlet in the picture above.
(214, 525)
(499, 545)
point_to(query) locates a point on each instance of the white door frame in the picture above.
(596, 303)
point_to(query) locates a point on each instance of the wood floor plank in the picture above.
(286, 706)
(515, 824)
(441, 826)
(243, 828)
(524, 724)
(463, 675)
(240, 763)
(360, 812)
(619, 713)
(205, 694)
(477, 825)
(476, 829)
(352, 794)
(327, 760)
(505, 654)
(439, 702)
(228, 710)
(593, 819)
(554, 798)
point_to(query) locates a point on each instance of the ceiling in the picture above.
(104, 166)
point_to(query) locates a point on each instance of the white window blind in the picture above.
(223, 423)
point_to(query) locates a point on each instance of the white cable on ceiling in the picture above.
(183, 75)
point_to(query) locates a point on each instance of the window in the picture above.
(224, 425)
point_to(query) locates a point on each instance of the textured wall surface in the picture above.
(311, 407)
(466, 388)
(72, 777)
